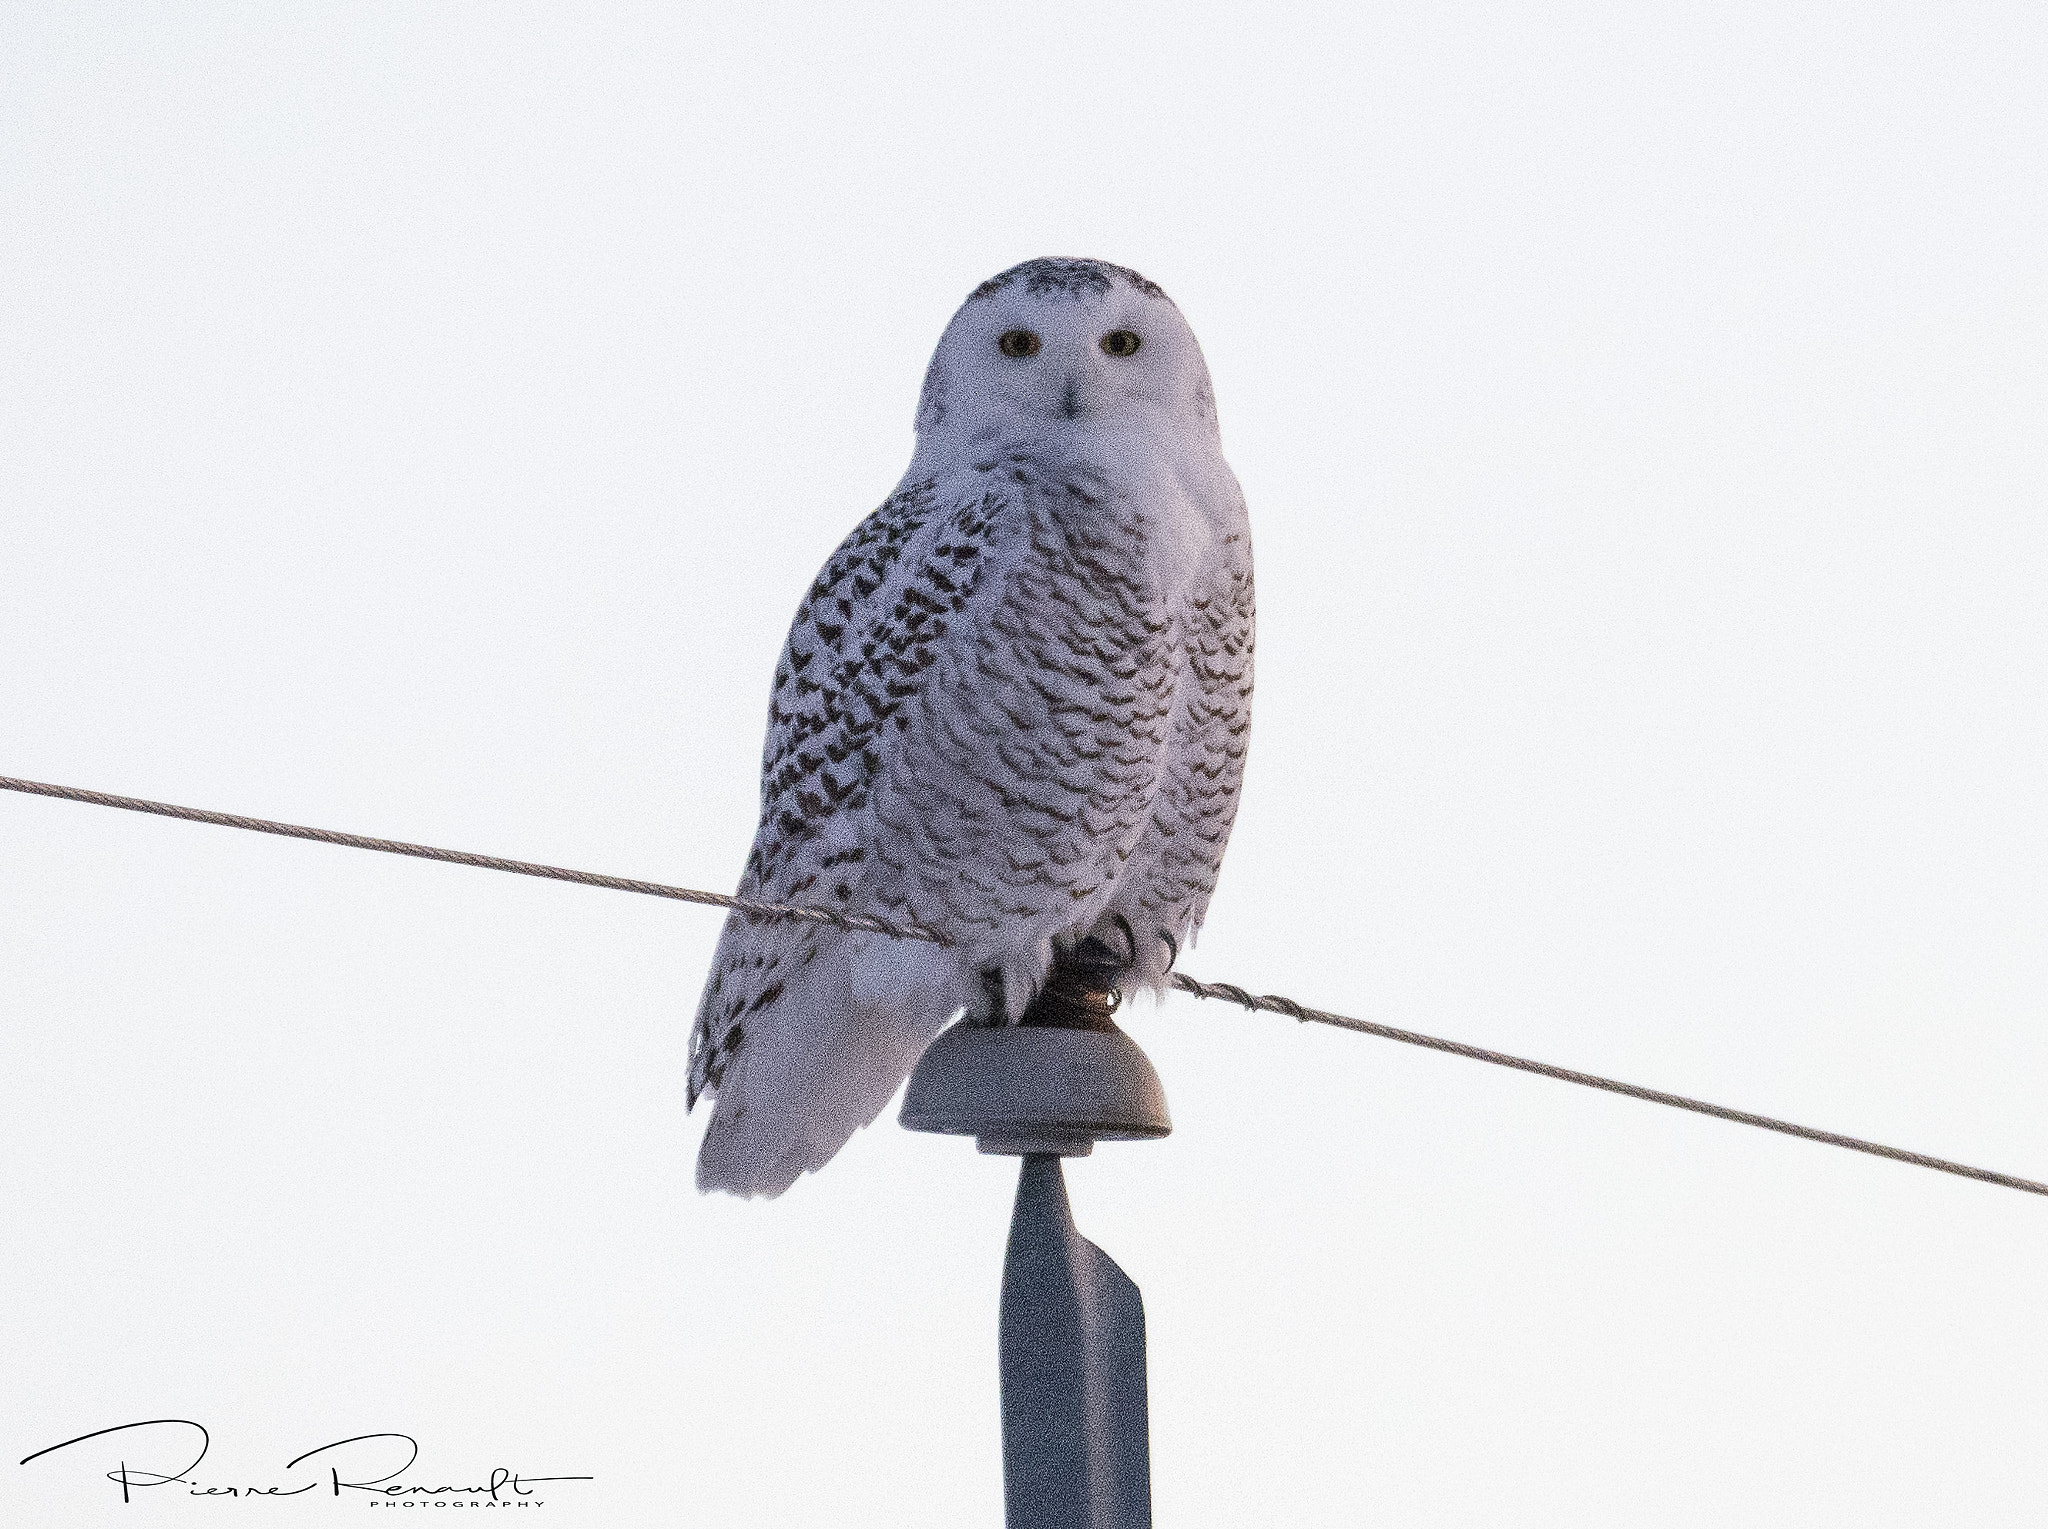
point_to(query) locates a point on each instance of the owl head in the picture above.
(1059, 344)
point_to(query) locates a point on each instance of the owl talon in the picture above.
(988, 1010)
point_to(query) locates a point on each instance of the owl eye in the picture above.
(1018, 343)
(1120, 342)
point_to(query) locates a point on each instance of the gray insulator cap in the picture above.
(1030, 1088)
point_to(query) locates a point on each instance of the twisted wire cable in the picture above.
(1229, 992)
(1274, 1005)
(859, 921)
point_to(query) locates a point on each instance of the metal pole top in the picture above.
(1020, 1089)
(1059, 1080)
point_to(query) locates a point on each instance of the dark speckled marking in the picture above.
(1065, 277)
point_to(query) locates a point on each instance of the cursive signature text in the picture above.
(369, 1462)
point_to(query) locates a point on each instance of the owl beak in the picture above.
(1070, 400)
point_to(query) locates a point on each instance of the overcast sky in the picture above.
(422, 419)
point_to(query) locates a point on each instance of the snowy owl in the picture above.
(1014, 706)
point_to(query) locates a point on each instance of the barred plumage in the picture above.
(1014, 705)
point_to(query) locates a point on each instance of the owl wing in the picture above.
(870, 626)
(1177, 862)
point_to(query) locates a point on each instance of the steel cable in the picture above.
(869, 924)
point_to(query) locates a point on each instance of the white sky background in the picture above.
(423, 420)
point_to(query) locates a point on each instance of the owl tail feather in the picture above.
(823, 1059)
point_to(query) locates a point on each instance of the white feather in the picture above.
(1014, 706)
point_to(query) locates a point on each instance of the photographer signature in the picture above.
(361, 1460)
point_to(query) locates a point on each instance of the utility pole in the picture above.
(1076, 1450)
